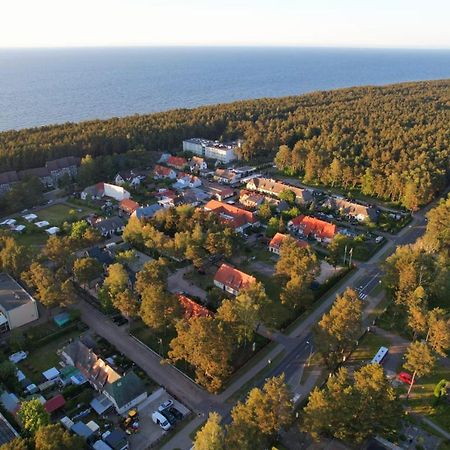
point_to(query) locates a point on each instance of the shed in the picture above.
(117, 439)
(67, 422)
(81, 429)
(100, 445)
(93, 426)
(55, 403)
(51, 374)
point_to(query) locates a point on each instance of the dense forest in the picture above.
(393, 141)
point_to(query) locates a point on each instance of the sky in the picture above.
(328, 23)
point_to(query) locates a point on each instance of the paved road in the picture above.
(294, 345)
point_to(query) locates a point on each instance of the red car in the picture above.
(405, 377)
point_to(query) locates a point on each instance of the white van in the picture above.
(160, 420)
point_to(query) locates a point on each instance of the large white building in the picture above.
(17, 306)
(224, 152)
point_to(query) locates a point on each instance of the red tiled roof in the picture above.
(311, 225)
(233, 278)
(278, 239)
(128, 205)
(54, 403)
(162, 171)
(166, 193)
(193, 309)
(230, 215)
(176, 161)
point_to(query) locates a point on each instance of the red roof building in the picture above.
(164, 172)
(232, 216)
(232, 280)
(277, 240)
(128, 206)
(193, 309)
(310, 226)
(177, 162)
(55, 403)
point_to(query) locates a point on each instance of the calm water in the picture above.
(39, 87)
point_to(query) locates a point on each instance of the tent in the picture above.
(52, 230)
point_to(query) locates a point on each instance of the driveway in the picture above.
(177, 283)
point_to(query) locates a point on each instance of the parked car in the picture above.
(177, 414)
(169, 416)
(167, 404)
(160, 420)
(405, 377)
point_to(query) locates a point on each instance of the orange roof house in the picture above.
(310, 226)
(128, 206)
(277, 240)
(164, 172)
(232, 216)
(232, 280)
(193, 309)
(177, 162)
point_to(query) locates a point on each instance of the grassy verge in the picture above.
(367, 348)
(242, 391)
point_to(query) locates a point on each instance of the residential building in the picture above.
(351, 209)
(232, 280)
(224, 152)
(218, 191)
(128, 206)
(100, 190)
(308, 226)
(128, 176)
(17, 306)
(251, 199)
(164, 157)
(275, 188)
(197, 163)
(277, 240)
(146, 212)
(42, 173)
(226, 176)
(167, 198)
(7, 180)
(194, 196)
(192, 308)
(185, 180)
(162, 172)
(237, 218)
(102, 255)
(67, 165)
(177, 162)
(110, 226)
(125, 392)
(244, 171)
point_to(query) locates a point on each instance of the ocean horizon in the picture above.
(50, 86)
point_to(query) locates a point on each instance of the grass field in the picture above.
(57, 214)
(367, 348)
(422, 401)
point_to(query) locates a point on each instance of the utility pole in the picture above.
(350, 254)
(345, 254)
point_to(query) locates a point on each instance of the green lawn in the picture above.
(422, 401)
(57, 214)
(44, 357)
(367, 348)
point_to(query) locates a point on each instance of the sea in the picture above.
(47, 86)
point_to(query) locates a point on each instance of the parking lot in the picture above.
(149, 432)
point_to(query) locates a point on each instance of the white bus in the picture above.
(381, 354)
